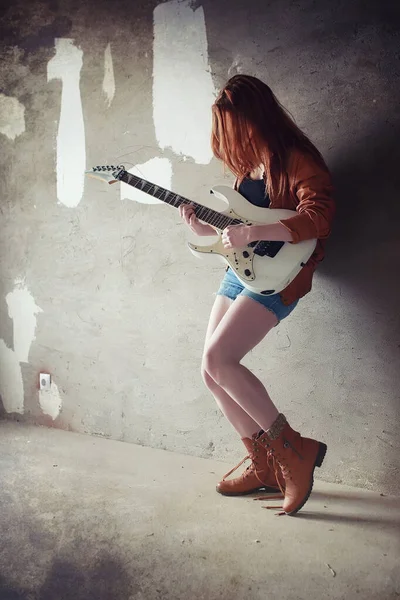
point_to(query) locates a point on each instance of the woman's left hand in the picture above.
(237, 236)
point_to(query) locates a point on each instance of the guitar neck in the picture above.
(212, 217)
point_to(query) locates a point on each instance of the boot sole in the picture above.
(318, 462)
(268, 490)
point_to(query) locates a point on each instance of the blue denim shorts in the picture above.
(232, 287)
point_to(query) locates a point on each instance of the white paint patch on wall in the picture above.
(12, 116)
(22, 309)
(236, 66)
(156, 170)
(71, 156)
(11, 384)
(183, 90)
(108, 81)
(50, 401)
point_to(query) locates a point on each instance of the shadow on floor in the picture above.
(105, 580)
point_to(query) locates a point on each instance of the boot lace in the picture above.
(252, 468)
(246, 472)
(277, 463)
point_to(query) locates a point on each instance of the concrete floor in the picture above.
(90, 518)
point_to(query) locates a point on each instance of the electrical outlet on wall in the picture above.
(45, 381)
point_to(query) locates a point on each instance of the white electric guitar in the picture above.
(264, 267)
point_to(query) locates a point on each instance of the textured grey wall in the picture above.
(105, 296)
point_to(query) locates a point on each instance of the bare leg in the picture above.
(239, 419)
(243, 326)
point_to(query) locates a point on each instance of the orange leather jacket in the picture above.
(310, 195)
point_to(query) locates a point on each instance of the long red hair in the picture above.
(251, 128)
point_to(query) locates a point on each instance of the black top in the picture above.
(254, 191)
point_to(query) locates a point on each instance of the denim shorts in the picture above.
(232, 287)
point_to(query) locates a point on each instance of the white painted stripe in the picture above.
(108, 81)
(183, 90)
(50, 401)
(11, 384)
(71, 157)
(156, 170)
(22, 310)
(12, 116)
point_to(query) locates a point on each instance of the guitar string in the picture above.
(217, 219)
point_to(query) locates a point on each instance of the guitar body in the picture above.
(267, 270)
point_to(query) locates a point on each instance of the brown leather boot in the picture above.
(257, 476)
(297, 458)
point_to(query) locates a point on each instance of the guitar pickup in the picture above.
(266, 248)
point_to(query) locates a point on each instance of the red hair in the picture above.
(251, 128)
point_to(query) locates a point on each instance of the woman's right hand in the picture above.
(188, 215)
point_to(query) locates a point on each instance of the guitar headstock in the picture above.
(107, 173)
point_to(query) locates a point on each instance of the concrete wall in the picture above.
(97, 287)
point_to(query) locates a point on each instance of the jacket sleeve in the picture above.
(316, 207)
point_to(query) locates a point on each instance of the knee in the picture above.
(205, 372)
(208, 380)
(214, 368)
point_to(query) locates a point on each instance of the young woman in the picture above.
(275, 165)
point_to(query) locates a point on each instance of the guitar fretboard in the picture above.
(208, 215)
